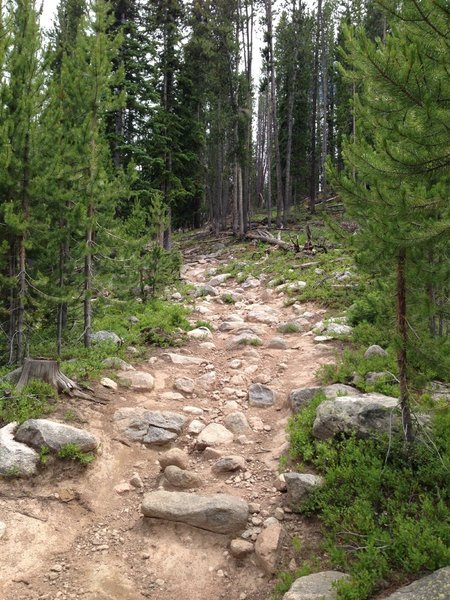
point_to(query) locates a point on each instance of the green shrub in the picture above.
(34, 400)
(384, 506)
(73, 452)
(289, 328)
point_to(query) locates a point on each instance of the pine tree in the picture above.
(400, 160)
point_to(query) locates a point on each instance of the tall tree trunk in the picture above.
(313, 164)
(22, 276)
(88, 276)
(402, 358)
(274, 116)
(324, 68)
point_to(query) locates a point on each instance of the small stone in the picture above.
(240, 548)
(277, 343)
(236, 364)
(229, 463)
(193, 410)
(139, 381)
(279, 514)
(195, 427)
(2, 529)
(57, 568)
(136, 481)
(268, 547)
(180, 478)
(171, 396)
(215, 434)
(184, 384)
(236, 422)
(109, 383)
(210, 453)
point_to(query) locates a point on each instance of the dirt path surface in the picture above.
(79, 534)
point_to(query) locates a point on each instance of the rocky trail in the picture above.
(195, 437)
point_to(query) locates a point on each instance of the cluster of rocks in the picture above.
(20, 445)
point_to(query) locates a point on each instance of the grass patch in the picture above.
(73, 452)
(289, 328)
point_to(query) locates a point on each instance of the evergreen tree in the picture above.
(400, 162)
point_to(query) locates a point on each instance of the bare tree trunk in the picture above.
(402, 359)
(269, 163)
(240, 202)
(276, 142)
(12, 324)
(324, 61)
(313, 165)
(88, 277)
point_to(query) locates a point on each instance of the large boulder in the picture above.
(375, 350)
(42, 432)
(219, 513)
(432, 587)
(16, 459)
(318, 586)
(363, 415)
(301, 397)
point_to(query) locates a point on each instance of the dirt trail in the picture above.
(71, 535)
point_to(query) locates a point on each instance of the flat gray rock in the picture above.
(364, 415)
(16, 459)
(219, 513)
(318, 586)
(165, 419)
(215, 434)
(114, 362)
(301, 397)
(245, 338)
(432, 587)
(42, 432)
(158, 437)
(260, 395)
(183, 359)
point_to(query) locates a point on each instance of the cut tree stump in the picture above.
(48, 370)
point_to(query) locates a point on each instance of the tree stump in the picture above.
(48, 370)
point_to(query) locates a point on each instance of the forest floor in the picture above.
(73, 533)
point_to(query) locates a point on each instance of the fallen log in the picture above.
(270, 239)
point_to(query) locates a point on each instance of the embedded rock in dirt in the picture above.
(318, 586)
(375, 350)
(15, 459)
(42, 432)
(180, 478)
(364, 415)
(200, 333)
(207, 381)
(432, 587)
(338, 329)
(373, 377)
(229, 463)
(172, 396)
(205, 290)
(219, 279)
(260, 395)
(2, 529)
(139, 381)
(115, 362)
(196, 426)
(158, 437)
(299, 485)
(184, 384)
(245, 338)
(109, 383)
(215, 434)
(340, 389)
(240, 548)
(277, 343)
(176, 457)
(219, 513)
(263, 315)
(150, 427)
(268, 547)
(236, 422)
(183, 359)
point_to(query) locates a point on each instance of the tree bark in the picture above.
(402, 358)
(313, 164)
(48, 371)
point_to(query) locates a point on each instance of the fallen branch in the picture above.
(265, 236)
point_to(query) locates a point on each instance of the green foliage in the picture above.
(73, 452)
(44, 454)
(228, 298)
(34, 400)
(384, 506)
(289, 328)
(285, 579)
